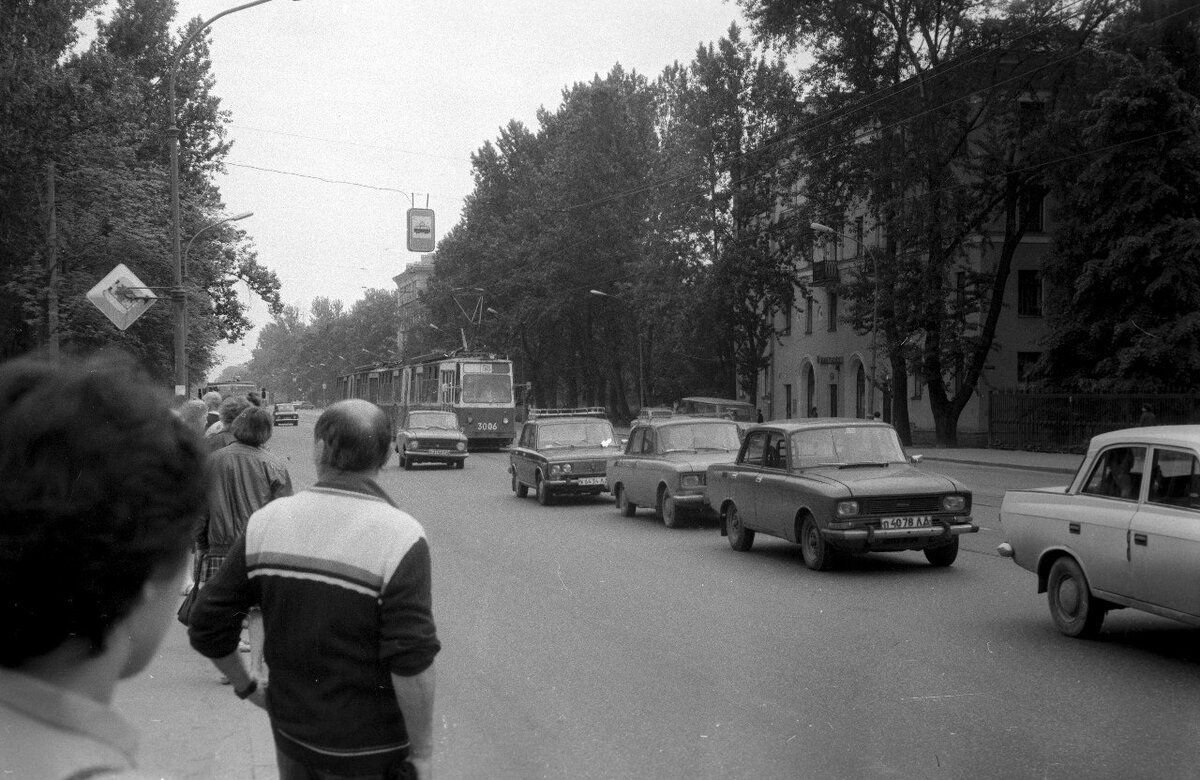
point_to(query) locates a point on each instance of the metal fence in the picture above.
(1064, 422)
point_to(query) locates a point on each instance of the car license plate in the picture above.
(918, 521)
(590, 481)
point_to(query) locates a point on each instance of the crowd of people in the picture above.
(110, 490)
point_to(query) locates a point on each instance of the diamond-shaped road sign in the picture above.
(121, 296)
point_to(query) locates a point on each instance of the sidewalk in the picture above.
(1051, 462)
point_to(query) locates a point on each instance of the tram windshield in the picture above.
(487, 389)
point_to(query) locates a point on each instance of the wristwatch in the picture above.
(248, 691)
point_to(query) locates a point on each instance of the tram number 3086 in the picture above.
(486, 426)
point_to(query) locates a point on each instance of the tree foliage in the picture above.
(93, 120)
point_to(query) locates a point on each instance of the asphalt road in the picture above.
(582, 644)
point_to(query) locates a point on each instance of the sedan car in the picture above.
(562, 452)
(1124, 533)
(837, 486)
(431, 436)
(285, 414)
(664, 464)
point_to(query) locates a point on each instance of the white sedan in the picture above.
(1124, 533)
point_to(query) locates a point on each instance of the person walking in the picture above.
(92, 552)
(1147, 417)
(341, 568)
(245, 478)
(212, 401)
(220, 433)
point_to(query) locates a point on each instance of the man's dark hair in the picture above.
(356, 434)
(102, 485)
(252, 426)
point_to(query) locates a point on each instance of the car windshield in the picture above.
(445, 420)
(487, 389)
(597, 433)
(852, 445)
(284, 408)
(699, 436)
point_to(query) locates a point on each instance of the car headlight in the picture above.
(691, 480)
(955, 503)
(847, 508)
(505, 419)
(460, 446)
(567, 468)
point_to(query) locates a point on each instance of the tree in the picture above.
(1126, 258)
(921, 126)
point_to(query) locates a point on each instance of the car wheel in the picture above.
(458, 464)
(816, 552)
(627, 507)
(520, 488)
(740, 537)
(1076, 612)
(667, 510)
(543, 492)
(943, 554)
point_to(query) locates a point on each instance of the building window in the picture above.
(788, 403)
(1031, 207)
(810, 391)
(809, 303)
(832, 311)
(1029, 293)
(788, 305)
(833, 399)
(1025, 363)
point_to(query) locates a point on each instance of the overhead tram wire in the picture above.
(884, 92)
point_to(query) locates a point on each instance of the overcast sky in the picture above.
(396, 95)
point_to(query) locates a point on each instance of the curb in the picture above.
(1019, 466)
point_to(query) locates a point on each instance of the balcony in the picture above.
(825, 273)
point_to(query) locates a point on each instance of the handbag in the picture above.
(184, 614)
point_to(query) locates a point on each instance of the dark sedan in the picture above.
(562, 452)
(835, 487)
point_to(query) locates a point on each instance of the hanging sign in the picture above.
(420, 230)
(121, 296)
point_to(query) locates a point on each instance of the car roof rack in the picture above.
(576, 411)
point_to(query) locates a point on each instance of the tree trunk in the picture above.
(900, 420)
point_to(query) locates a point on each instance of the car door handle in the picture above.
(1139, 539)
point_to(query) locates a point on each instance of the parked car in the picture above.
(836, 486)
(285, 414)
(664, 464)
(562, 452)
(741, 412)
(1124, 533)
(431, 436)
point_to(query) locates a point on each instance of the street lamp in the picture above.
(819, 228)
(210, 226)
(641, 362)
(178, 296)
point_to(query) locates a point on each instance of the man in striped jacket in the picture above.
(343, 579)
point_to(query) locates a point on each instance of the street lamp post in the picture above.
(178, 296)
(641, 362)
(820, 228)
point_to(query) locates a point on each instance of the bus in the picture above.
(476, 386)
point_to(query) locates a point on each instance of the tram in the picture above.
(235, 387)
(476, 386)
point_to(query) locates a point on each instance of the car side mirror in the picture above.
(915, 458)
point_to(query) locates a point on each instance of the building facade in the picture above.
(412, 315)
(821, 367)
